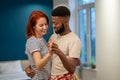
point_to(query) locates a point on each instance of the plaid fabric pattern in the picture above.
(64, 77)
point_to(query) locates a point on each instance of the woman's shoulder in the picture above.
(32, 39)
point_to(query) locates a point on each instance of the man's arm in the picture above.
(69, 63)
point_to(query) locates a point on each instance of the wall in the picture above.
(13, 20)
(108, 39)
(88, 74)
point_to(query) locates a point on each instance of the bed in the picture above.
(13, 70)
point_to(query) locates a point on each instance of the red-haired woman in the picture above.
(36, 46)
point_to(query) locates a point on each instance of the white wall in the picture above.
(59, 2)
(88, 74)
(108, 39)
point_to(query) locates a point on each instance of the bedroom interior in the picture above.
(14, 15)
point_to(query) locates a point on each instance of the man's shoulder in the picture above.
(74, 36)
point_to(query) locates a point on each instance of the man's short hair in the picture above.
(61, 11)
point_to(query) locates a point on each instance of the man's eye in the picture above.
(55, 23)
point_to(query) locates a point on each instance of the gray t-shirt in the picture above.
(38, 44)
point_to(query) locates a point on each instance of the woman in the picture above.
(36, 46)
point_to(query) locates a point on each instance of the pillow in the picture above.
(10, 67)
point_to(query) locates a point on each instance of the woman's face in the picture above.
(41, 27)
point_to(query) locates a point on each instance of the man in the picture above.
(66, 46)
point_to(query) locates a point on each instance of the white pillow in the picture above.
(10, 67)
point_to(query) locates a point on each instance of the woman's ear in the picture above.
(33, 27)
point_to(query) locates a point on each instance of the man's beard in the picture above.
(60, 30)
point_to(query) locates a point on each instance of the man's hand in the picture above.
(55, 48)
(29, 71)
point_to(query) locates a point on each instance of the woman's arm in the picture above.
(39, 61)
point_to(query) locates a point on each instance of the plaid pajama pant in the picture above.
(65, 77)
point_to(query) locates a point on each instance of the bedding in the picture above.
(14, 76)
(13, 70)
(10, 67)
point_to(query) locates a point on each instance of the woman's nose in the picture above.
(45, 26)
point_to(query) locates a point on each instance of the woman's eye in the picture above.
(41, 25)
(46, 24)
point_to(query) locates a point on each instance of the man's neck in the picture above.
(65, 32)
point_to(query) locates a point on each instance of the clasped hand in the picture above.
(53, 48)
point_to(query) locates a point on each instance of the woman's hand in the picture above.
(50, 46)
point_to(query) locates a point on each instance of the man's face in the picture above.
(58, 24)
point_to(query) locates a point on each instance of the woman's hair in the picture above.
(35, 15)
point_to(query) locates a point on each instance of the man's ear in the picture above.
(66, 21)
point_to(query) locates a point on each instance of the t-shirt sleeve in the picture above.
(74, 49)
(33, 46)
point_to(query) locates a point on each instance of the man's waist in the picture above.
(53, 75)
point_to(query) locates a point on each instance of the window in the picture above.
(87, 31)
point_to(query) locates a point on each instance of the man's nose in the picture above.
(53, 26)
